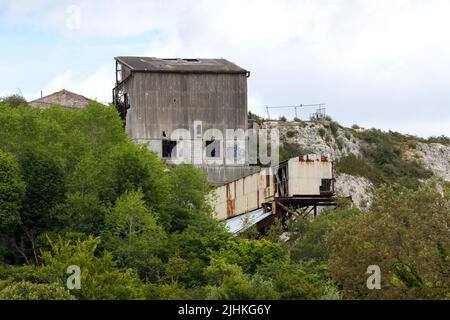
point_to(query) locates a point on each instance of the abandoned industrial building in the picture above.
(64, 98)
(168, 103)
(161, 100)
(295, 187)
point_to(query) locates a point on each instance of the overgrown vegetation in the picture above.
(441, 139)
(75, 191)
(14, 100)
(406, 233)
(289, 150)
(383, 160)
(252, 116)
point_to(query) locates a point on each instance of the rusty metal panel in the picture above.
(243, 195)
(231, 201)
(306, 174)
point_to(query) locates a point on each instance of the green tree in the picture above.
(35, 291)
(133, 167)
(132, 234)
(309, 234)
(230, 283)
(44, 179)
(295, 282)
(12, 190)
(252, 255)
(14, 100)
(187, 198)
(100, 277)
(405, 233)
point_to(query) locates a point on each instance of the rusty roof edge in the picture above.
(119, 58)
(192, 71)
(226, 63)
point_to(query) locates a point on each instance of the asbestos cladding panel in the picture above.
(305, 176)
(168, 101)
(219, 202)
(242, 196)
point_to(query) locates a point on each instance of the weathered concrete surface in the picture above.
(166, 102)
(174, 103)
(219, 175)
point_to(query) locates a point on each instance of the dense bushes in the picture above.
(75, 191)
(35, 291)
(67, 175)
(12, 190)
(407, 235)
(289, 150)
(383, 160)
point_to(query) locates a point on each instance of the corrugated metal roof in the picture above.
(243, 222)
(151, 64)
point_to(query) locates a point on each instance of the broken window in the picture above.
(326, 185)
(168, 147)
(213, 148)
(198, 131)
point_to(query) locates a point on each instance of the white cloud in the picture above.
(96, 86)
(379, 62)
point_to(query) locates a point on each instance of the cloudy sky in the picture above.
(377, 63)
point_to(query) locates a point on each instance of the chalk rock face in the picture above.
(319, 138)
(436, 157)
(359, 188)
(316, 138)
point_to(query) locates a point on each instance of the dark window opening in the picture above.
(213, 148)
(281, 181)
(168, 147)
(326, 185)
(235, 150)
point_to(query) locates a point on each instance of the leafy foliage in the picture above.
(75, 191)
(383, 160)
(100, 278)
(14, 100)
(12, 190)
(35, 291)
(289, 150)
(407, 234)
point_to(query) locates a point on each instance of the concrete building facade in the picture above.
(186, 110)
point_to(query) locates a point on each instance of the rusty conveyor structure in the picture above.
(293, 188)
